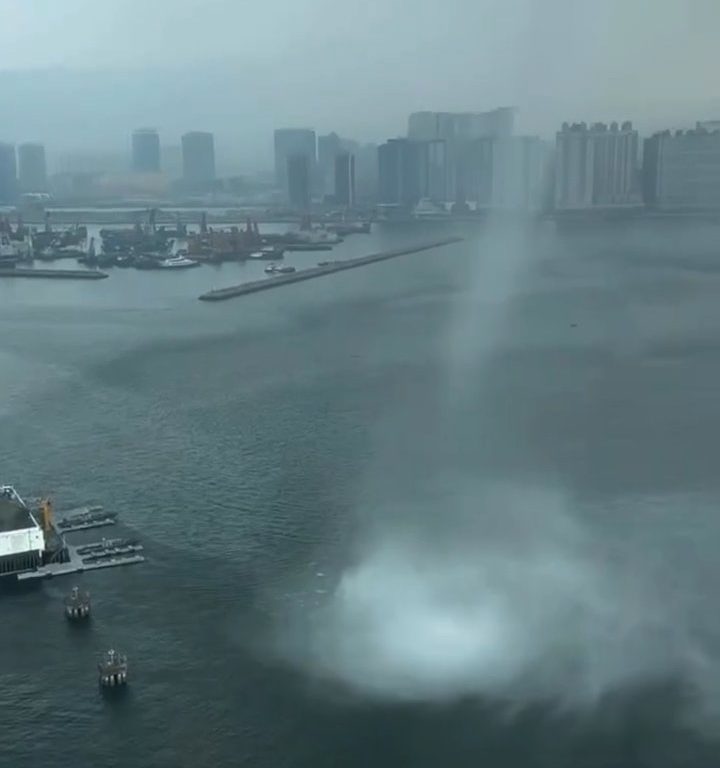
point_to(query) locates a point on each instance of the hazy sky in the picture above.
(79, 73)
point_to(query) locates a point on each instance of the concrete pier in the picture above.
(53, 274)
(308, 274)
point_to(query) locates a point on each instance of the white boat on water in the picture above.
(277, 269)
(178, 262)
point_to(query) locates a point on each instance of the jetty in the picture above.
(44, 552)
(220, 294)
(53, 274)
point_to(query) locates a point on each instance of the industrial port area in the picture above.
(148, 245)
(34, 545)
(36, 252)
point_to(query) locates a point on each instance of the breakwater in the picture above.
(233, 291)
(53, 274)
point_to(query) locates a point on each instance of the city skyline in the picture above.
(554, 61)
(445, 158)
(121, 157)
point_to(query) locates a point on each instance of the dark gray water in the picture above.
(455, 509)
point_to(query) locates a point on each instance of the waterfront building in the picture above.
(8, 174)
(32, 168)
(457, 130)
(401, 170)
(596, 166)
(328, 148)
(298, 175)
(145, 151)
(507, 173)
(345, 179)
(681, 170)
(293, 141)
(198, 156)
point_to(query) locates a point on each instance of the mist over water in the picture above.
(514, 588)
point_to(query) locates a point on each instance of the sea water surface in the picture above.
(460, 508)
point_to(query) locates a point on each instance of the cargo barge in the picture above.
(33, 542)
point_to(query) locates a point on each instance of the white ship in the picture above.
(178, 262)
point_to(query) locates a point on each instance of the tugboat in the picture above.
(77, 605)
(113, 669)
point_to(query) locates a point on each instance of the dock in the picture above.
(53, 274)
(85, 518)
(63, 558)
(243, 289)
(89, 557)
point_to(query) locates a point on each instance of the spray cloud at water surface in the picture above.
(500, 594)
(505, 587)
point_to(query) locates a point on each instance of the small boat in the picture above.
(178, 262)
(277, 269)
(267, 254)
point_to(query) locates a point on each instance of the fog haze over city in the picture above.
(241, 70)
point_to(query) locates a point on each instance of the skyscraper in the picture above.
(366, 173)
(293, 141)
(682, 170)
(596, 166)
(298, 175)
(33, 172)
(519, 173)
(452, 126)
(345, 179)
(400, 172)
(8, 173)
(328, 148)
(198, 155)
(458, 130)
(146, 151)
(436, 182)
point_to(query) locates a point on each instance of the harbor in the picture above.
(327, 268)
(149, 245)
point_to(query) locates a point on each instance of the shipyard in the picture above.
(147, 245)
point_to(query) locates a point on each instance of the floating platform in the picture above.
(43, 552)
(102, 556)
(243, 289)
(113, 669)
(54, 274)
(85, 518)
(77, 605)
